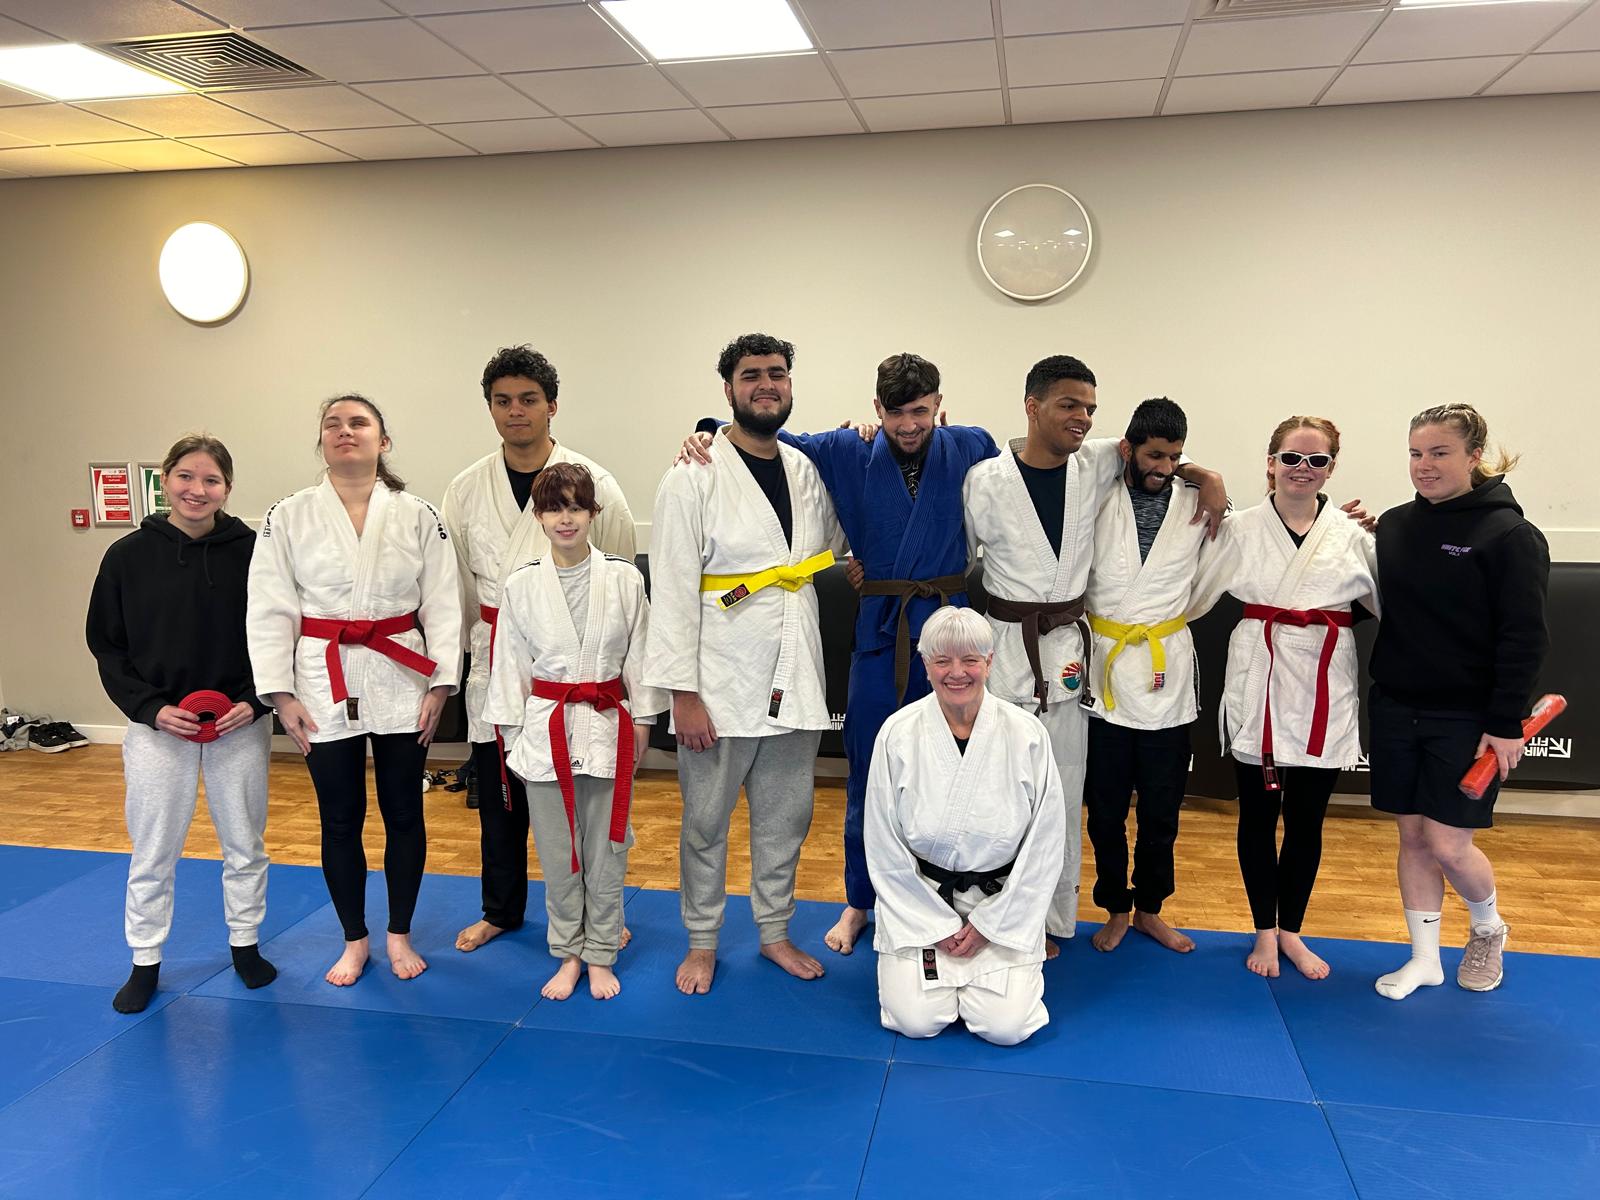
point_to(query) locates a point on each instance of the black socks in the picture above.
(253, 969)
(135, 994)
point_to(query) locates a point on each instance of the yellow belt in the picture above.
(735, 588)
(1131, 635)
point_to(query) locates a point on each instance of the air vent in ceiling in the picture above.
(211, 61)
(1218, 10)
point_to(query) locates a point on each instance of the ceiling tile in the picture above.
(47, 160)
(1234, 93)
(650, 128)
(1448, 77)
(810, 119)
(756, 80)
(55, 124)
(535, 39)
(1052, 16)
(600, 89)
(516, 137)
(1274, 43)
(410, 141)
(11, 140)
(160, 155)
(309, 108)
(359, 51)
(1579, 72)
(475, 98)
(1582, 34)
(11, 96)
(1090, 57)
(908, 70)
(270, 149)
(948, 111)
(846, 23)
(12, 33)
(1085, 101)
(107, 20)
(416, 7)
(254, 14)
(1409, 34)
(179, 116)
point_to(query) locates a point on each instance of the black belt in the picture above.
(951, 882)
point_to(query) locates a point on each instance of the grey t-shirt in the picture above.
(1149, 510)
(575, 587)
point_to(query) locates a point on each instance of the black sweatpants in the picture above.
(503, 840)
(339, 774)
(1155, 763)
(1278, 882)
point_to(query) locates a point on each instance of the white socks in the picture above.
(1483, 914)
(1423, 969)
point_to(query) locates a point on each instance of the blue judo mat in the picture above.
(1159, 1075)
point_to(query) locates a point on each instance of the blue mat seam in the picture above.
(1338, 1147)
(877, 1112)
(679, 1041)
(1455, 1115)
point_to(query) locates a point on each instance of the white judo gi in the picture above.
(998, 803)
(1019, 565)
(310, 563)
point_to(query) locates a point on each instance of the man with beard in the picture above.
(1148, 552)
(899, 501)
(1037, 573)
(495, 531)
(734, 637)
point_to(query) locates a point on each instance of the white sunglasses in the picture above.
(1293, 458)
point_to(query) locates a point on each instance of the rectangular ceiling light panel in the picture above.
(674, 30)
(67, 72)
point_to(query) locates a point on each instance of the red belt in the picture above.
(1269, 616)
(602, 696)
(374, 635)
(491, 618)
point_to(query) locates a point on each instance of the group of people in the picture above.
(973, 741)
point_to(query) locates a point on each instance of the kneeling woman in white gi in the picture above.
(355, 632)
(965, 833)
(566, 693)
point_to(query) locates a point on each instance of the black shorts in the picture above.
(1418, 757)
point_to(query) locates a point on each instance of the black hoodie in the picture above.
(1463, 587)
(166, 616)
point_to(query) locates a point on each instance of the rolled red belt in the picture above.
(491, 618)
(209, 707)
(374, 635)
(603, 695)
(1270, 615)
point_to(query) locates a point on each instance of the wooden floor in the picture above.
(1548, 868)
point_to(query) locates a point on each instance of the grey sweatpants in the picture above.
(161, 773)
(776, 774)
(584, 908)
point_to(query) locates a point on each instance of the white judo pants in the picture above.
(1067, 722)
(1004, 1006)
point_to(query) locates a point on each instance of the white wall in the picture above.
(1362, 262)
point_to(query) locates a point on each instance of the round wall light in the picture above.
(204, 273)
(1034, 241)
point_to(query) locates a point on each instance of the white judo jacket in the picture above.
(309, 562)
(757, 666)
(537, 639)
(493, 537)
(1000, 801)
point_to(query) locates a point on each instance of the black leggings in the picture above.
(339, 774)
(1279, 883)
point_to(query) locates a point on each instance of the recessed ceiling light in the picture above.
(1464, 3)
(679, 29)
(67, 72)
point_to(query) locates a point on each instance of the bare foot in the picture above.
(792, 959)
(404, 961)
(1263, 960)
(1051, 950)
(1109, 936)
(627, 936)
(1302, 956)
(350, 965)
(1153, 926)
(842, 937)
(695, 972)
(475, 935)
(603, 982)
(560, 985)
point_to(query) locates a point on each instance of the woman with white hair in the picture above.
(965, 834)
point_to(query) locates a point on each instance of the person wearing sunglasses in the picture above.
(1289, 706)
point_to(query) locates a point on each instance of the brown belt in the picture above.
(943, 587)
(1038, 619)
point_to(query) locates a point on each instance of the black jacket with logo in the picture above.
(1463, 586)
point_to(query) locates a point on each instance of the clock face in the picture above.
(1034, 241)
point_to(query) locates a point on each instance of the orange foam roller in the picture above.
(1482, 772)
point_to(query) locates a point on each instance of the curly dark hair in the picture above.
(752, 345)
(903, 378)
(1157, 417)
(522, 361)
(1048, 371)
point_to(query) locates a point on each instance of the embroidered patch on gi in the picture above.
(930, 964)
(352, 708)
(729, 599)
(1072, 676)
(776, 703)
(1158, 681)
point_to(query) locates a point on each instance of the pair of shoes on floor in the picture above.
(50, 737)
(14, 728)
